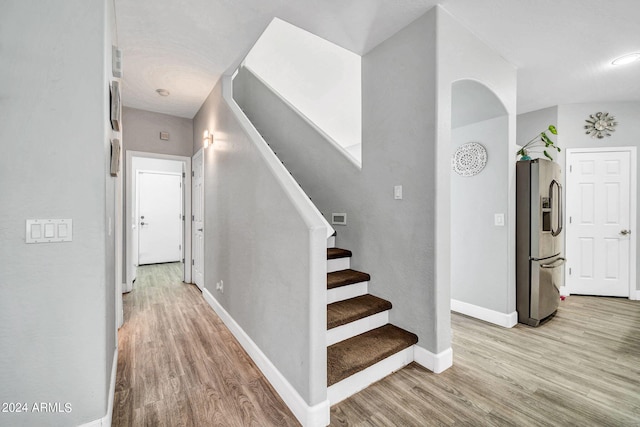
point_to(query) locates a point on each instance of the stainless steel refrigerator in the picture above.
(539, 240)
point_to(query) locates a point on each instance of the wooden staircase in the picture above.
(362, 347)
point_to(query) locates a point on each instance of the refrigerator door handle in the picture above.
(557, 231)
(556, 263)
(560, 213)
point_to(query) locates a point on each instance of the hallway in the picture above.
(580, 368)
(170, 370)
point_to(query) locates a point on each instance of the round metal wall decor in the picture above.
(600, 124)
(469, 159)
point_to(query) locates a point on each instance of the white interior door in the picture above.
(197, 191)
(159, 217)
(599, 222)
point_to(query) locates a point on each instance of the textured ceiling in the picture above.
(562, 48)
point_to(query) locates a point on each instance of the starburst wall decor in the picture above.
(600, 125)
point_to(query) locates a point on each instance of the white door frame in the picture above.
(633, 293)
(200, 153)
(129, 211)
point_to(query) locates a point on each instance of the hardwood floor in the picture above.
(582, 368)
(178, 365)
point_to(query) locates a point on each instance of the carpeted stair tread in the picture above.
(345, 277)
(335, 253)
(357, 353)
(352, 309)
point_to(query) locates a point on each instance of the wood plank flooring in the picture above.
(582, 368)
(178, 365)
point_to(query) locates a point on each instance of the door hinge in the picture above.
(183, 260)
(193, 262)
(184, 174)
(570, 219)
(193, 218)
(570, 168)
(193, 173)
(569, 271)
(183, 217)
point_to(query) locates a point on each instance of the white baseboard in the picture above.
(363, 379)
(106, 420)
(436, 363)
(635, 295)
(491, 316)
(308, 416)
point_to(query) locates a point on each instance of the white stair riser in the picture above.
(358, 327)
(345, 292)
(331, 242)
(338, 264)
(363, 379)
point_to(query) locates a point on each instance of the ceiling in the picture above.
(562, 48)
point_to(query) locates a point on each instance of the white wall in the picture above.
(57, 300)
(288, 58)
(267, 248)
(462, 56)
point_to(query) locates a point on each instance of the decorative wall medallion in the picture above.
(469, 159)
(600, 124)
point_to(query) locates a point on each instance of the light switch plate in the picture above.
(397, 192)
(49, 230)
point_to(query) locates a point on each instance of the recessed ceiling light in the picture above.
(627, 59)
(162, 92)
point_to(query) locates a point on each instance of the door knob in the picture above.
(625, 232)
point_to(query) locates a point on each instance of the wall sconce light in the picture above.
(207, 139)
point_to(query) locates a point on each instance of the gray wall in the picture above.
(463, 57)
(391, 239)
(479, 261)
(141, 132)
(57, 300)
(532, 123)
(258, 243)
(571, 133)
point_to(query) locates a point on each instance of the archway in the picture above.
(480, 188)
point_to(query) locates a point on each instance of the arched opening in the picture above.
(480, 188)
